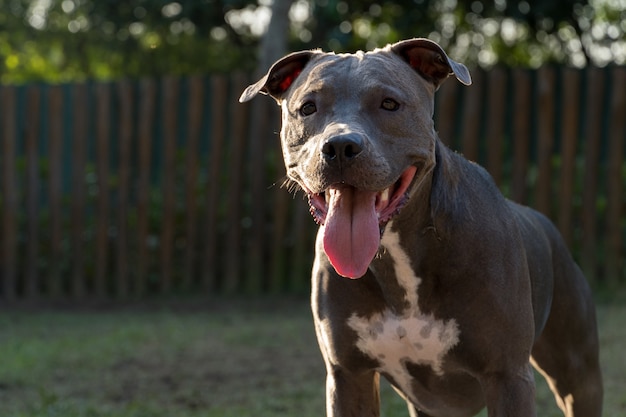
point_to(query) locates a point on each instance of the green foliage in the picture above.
(527, 33)
(68, 40)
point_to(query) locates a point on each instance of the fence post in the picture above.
(496, 98)
(234, 256)
(146, 115)
(472, 113)
(79, 156)
(593, 137)
(521, 134)
(545, 139)
(195, 95)
(615, 177)
(169, 113)
(103, 138)
(55, 189)
(446, 111)
(570, 102)
(31, 140)
(8, 233)
(219, 94)
(125, 137)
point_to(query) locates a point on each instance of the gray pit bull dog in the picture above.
(459, 290)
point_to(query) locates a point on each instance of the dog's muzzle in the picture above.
(352, 221)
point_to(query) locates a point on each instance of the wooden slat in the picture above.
(282, 205)
(545, 139)
(33, 183)
(169, 115)
(146, 116)
(194, 122)
(592, 141)
(219, 93)
(521, 134)
(303, 230)
(103, 137)
(496, 96)
(55, 190)
(473, 106)
(78, 198)
(258, 136)
(614, 228)
(126, 105)
(446, 110)
(280, 215)
(570, 102)
(8, 233)
(234, 256)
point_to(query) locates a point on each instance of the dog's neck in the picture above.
(395, 270)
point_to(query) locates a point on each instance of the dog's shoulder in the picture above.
(463, 194)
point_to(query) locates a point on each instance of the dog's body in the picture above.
(458, 287)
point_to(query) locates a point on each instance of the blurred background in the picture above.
(128, 169)
(151, 261)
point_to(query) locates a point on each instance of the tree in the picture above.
(526, 33)
(63, 40)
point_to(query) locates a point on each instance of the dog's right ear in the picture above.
(280, 76)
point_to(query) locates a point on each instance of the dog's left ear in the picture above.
(280, 76)
(430, 61)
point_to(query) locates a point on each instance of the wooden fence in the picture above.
(127, 189)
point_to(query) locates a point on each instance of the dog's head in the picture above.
(358, 136)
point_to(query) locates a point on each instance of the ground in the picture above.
(191, 358)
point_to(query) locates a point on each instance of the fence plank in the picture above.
(103, 137)
(194, 122)
(55, 189)
(615, 189)
(570, 102)
(239, 115)
(125, 136)
(78, 199)
(496, 99)
(592, 141)
(282, 203)
(146, 115)
(446, 111)
(472, 117)
(31, 140)
(545, 139)
(301, 261)
(219, 95)
(169, 115)
(249, 238)
(8, 233)
(521, 134)
(258, 134)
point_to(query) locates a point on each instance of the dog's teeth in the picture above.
(385, 195)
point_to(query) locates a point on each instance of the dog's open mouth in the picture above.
(352, 220)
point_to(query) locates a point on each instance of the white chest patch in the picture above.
(412, 336)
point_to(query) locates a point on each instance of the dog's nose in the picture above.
(342, 148)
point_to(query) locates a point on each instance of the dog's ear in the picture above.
(280, 76)
(430, 61)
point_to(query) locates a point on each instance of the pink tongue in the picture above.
(351, 230)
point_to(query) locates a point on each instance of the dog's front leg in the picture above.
(352, 395)
(510, 394)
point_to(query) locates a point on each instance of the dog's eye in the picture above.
(389, 104)
(308, 108)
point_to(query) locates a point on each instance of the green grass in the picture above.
(216, 358)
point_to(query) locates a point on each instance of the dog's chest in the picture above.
(396, 340)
